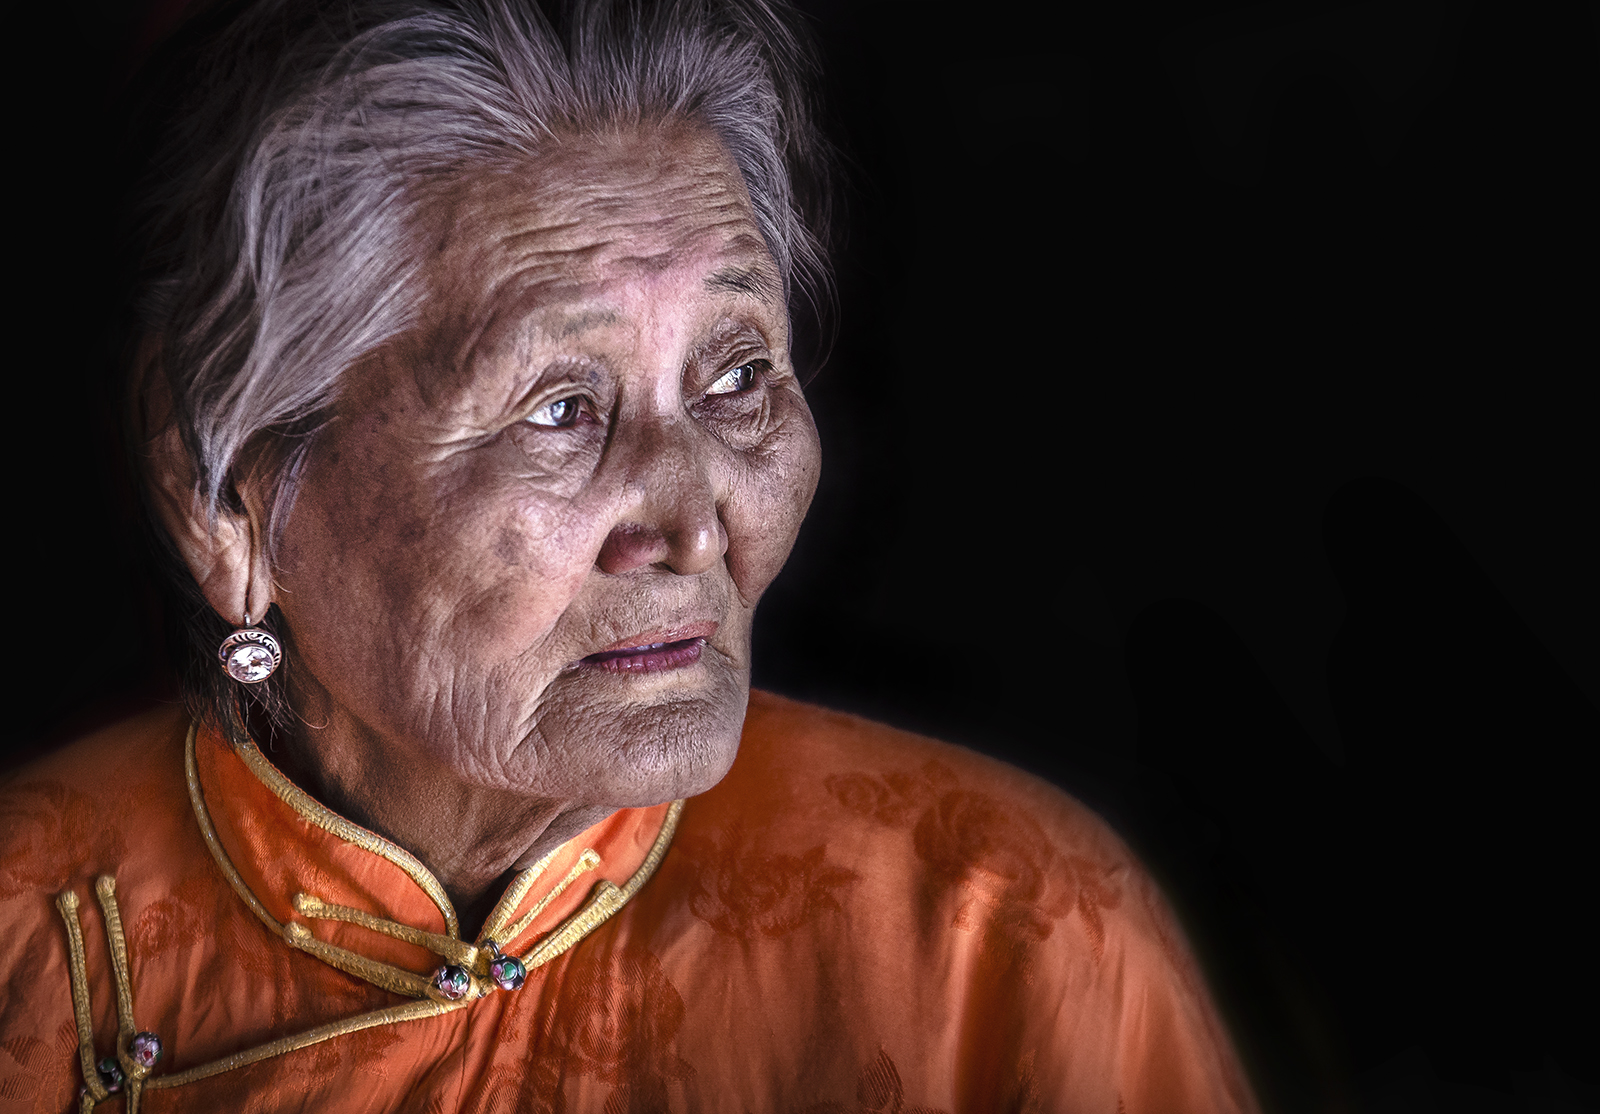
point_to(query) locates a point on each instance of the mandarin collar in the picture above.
(294, 858)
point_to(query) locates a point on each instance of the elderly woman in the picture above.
(470, 428)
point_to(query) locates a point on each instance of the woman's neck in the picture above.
(473, 839)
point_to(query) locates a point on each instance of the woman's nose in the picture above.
(631, 545)
(672, 518)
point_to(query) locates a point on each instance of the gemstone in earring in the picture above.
(250, 656)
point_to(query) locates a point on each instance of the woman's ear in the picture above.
(227, 558)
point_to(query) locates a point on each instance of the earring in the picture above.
(250, 655)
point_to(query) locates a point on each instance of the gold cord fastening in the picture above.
(136, 1052)
(474, 970)
(476, 962)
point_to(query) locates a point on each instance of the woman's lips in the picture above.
(654, 652)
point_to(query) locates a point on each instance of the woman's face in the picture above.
(593, 442)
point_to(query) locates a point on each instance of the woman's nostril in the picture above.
(630, 546)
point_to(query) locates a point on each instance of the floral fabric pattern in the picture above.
(1000, 860)
(855, 921)
(742, 892)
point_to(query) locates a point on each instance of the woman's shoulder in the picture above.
(914, 819)
(960, 885)
(887, 776)
(84, 808)
(959, 872)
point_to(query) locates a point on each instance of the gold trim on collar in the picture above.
(507, 905)
(317, 813)
(605, 899)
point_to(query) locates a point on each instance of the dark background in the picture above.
(1210, 430)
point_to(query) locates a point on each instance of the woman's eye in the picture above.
(741, 378)
(557, 414)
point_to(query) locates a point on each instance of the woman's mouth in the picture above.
(653, 653)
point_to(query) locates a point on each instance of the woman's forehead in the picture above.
(644, 197)
(594, 235)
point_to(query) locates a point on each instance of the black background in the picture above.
(1210, 430)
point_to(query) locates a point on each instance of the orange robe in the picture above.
(855, 919)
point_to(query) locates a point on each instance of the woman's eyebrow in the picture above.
(555, 322)
(581, 321)
(758, 280)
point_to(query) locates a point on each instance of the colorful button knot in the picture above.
(452, 981)
(508, 972)
(111, 1077)
(145, 1048)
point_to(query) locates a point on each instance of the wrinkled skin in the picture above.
(595, 434)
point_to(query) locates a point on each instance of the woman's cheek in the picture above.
(555, 459)
(774, 494)
(541, 561)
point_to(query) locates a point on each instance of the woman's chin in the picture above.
(634, 738)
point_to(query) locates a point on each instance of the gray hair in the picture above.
(299, 140)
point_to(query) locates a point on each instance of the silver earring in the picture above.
(250, 655)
